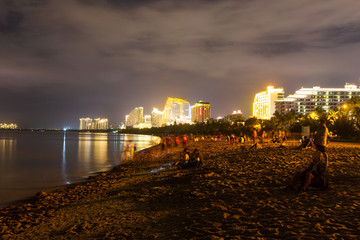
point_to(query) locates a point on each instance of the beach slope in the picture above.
(236, 194)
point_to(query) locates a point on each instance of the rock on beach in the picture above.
(236, 194)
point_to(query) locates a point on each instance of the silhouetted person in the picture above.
(321, 141)
(313, 176)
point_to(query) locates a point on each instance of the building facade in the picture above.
(306, 100)
(85, 123)
(156, 118)
(100, 124)
(176, 110)
(146, 122)
(264, 102)
(200, 112)
(94, 124)
(135, 117)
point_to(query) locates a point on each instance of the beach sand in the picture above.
(236, 194)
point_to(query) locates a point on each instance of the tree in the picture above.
(353, 106)
(251, 122)
(344, 127)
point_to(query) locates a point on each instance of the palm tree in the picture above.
(353, 108)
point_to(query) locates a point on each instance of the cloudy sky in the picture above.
(62, 60)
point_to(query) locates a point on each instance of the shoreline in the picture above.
(236, 193)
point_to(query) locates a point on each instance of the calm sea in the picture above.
(35, 161)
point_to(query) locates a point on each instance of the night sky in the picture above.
(62, 60)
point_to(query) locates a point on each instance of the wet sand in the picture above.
(236, 194)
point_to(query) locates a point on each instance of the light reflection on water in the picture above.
(35, 161)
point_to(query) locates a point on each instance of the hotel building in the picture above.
(135, 117)
(85, 123)
(94, 124)
(156, 118)
(176, 110)
(146, 122)
(100, 124)
(264, 102)
(306, 100)
(200, 112)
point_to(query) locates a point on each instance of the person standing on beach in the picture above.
(163, 144)
(263, 133)
(254, 135)
(177, 141)
(168, 143)
(185, 141)
(321, 141)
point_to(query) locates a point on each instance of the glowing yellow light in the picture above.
(313, 115)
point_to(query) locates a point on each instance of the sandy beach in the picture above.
(236, 194)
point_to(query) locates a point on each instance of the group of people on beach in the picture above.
(313, 176)
(169, 142)
(306, 142)
(188, 160)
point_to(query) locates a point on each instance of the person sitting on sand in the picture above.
(276, 139)
(313, 176)
(184, 158)
(195, 160)
(186, 155)
(306, 142)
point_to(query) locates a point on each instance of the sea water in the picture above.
(33, 161)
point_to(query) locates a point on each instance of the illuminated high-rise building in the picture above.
(85, 123)
(306, 100)
(100, 124)
(135, 117)
(176, 110)
(146, 122)
(147, 118)
(264, 102)
(94, 124)
(156, 118)
(200, 112)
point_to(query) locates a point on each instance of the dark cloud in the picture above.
(67, 59)
(345, 34)
(271, 49)
(11, 22)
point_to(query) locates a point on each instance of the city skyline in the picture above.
(62, 61)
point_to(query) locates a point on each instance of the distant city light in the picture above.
(8, 126)
(237, 112)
